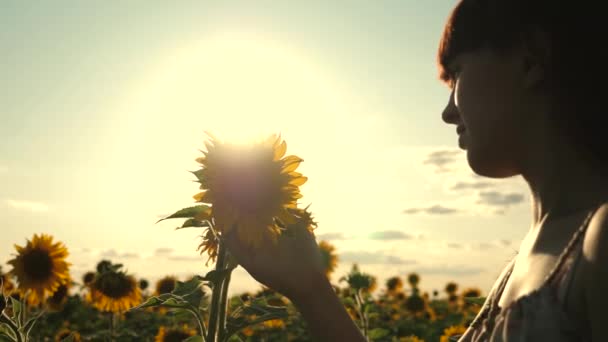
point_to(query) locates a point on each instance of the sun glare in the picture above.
(240, 87)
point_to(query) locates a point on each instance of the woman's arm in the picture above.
(326, 316)
(595, 251)
(293, 267)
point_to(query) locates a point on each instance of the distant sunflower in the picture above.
(413, 279)
(57, 300)
(6, 284)
(394, 285)
(64, 333)
(452, 332)
(165, 285)
(40, 267)
(88, 278)
(329, 257)
(249, 188)
(411, 338)
(471, 292)
(274, 324)
(451, 288)
(415, 304)
(166, 334)
(114, 291)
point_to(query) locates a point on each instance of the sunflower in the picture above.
(165, 285)
(114, 291)
(450, 333)
(64, 333)
(174, 334)
(471, 292)
(451, 288)
(58, 299)
(40, 267)
(329, 257)
(88, 278)
(249, 188)
(276, 323)
(394, 285)
(6, 284)
(411, 338)
(413, 279)
(415, 304)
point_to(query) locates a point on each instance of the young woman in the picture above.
(528, 82)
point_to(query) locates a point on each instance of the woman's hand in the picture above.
(293, 266)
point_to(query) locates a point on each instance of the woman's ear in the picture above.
(535, 58)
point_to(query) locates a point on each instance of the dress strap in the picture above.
(571, 244)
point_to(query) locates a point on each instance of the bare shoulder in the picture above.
(596, 238)
(595, 272)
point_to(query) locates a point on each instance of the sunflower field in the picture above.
(249, 193)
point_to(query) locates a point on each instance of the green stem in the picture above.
(112, 326)
(223, 308)
(8, 321)
(216, 293)
(362, 313)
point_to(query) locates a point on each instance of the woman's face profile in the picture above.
(487, 105)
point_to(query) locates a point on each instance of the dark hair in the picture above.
(576, 63)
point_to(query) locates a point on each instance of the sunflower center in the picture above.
(115, 285)
(175, 336)
(246, 183)
(166, 286)
(59, 294)
(37, 264)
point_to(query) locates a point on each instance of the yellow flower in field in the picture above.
(411, 338)
(166, 334)
(471, 292)
(274, 324)
(394, 285)
(40, 267)
(58, 299)
(6, 284)
(248, 331)
(88, 278)
(114, 291)
(165, 285)
(329, 257)
(249, 188)
(451, 333)
(64, 333)
(413, 279)
(451, 288)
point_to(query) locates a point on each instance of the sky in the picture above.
(105, 104)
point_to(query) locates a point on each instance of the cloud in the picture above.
(187, 258)
(163, 251)
(365, 257)
(389, 235)
(495, 198)
(332, 236)
(442, 159)
(436, 209)
(471, 185)
(454, 245)
(505, 242)
(450, 270)
(27, 205)
(112, 253)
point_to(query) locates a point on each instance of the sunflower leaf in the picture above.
(6, 337)
(197, 338)
(235, 325)
(193, 223)
(215, 276)
(16, 307)
(189, 212)
(475, 300)
(153, 301)
(30, 323)
(186, 287)
(377, 333)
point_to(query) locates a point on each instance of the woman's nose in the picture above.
(450, 112)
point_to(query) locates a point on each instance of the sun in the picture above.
(240, 86)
